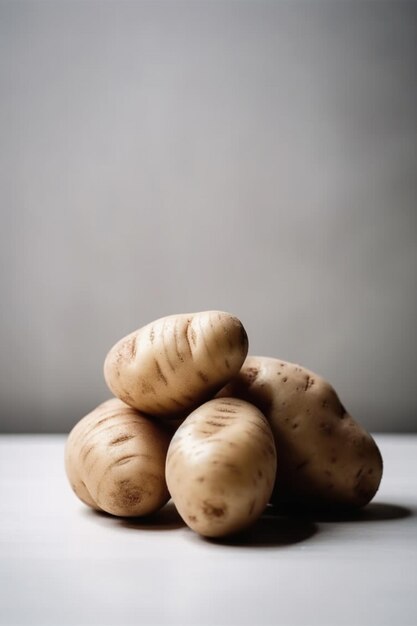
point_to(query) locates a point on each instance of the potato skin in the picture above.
(221, 467)
(325, 457)
(115, 460)
(175, 363)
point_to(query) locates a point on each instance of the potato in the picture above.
(115, 460)
(172, 365)
(325, 457)
(221, 466)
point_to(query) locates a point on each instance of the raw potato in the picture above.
(325, 457)
(172, 365)
(115, 460)
(221, 467)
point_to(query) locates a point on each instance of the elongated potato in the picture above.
(115, 460)
(221, 467)
(325, 457)
(172, 365)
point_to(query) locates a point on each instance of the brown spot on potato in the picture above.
(251, 374)
(131, 347)
(230, 411)
(179, 404)
(121, 439)
(203, 376)
(232, 467)
(86, 454)
(309, 382)
(104, 419)
(177, 350)
(262, 426)
(126, 397)
(127, 496)
(160, 373)
(147, 387)
(124, 459)
(284, 379)
(326, 428)
(186, 336)
(212, 511)
(193, 336)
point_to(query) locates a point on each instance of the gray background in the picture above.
(162, 157)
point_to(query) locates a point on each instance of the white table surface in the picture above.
(62, 564)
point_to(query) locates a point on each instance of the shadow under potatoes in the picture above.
(166, 518)
(279, 526)
(285, 526)
(373, 512)
(270, 530)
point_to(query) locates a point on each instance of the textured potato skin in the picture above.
(325, 457)
(173, 364)
(221, 467)
(115, 460)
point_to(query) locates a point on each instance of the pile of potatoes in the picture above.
(221, 433)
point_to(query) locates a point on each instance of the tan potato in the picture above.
(115, 460)
(325, 457)
(221, 467)
(172, 365)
